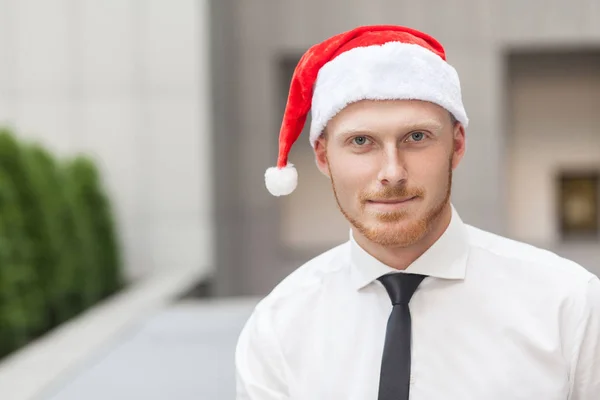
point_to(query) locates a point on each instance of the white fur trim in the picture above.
(392, 71)
(281, 182)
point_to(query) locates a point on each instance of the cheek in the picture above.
(431, 173)
(351, 173)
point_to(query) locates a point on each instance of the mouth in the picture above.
(391, 201)
(390, 205)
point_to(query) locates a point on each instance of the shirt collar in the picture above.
(446, 258)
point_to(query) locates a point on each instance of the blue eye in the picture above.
(360, 140)
(417, 136)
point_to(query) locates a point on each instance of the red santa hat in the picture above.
(379, 62)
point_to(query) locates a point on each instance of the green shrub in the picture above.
(21, 301)
(59, 250)
(58, 255)
(23, 218)
(97, 207)
(95, 229)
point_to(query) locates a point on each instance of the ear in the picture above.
(321, 156)
(459, 144)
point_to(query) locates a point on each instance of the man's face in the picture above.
(390, 164)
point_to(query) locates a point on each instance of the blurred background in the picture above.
(136, 233)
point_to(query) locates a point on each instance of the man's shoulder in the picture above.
(527, 256)
(309, 276)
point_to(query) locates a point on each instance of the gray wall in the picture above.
(258, 35)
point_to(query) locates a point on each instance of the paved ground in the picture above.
(185, 353)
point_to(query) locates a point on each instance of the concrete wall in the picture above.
(127, 82)
(555, 103)
(478, 36)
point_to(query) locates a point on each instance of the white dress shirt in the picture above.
(495, 319)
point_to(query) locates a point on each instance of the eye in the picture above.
(360, 140)
(416, 136)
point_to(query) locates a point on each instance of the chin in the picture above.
(402, 232)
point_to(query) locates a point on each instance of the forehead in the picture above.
(383, 115)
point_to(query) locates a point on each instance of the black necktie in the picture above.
(394, 378)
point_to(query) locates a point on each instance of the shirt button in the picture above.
(412, 379)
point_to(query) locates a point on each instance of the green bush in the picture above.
(20, 215)
(59, 250)
(95, 227)
(58, 255)
(21, 301)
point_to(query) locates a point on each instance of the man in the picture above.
(416, 304)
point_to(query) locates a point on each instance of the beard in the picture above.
(394, 228)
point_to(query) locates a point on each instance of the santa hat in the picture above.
(379, 62)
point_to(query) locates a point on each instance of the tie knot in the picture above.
(401, 286)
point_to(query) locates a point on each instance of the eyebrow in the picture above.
(352, 131)
(426, 124)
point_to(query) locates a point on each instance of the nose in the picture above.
(393, 169)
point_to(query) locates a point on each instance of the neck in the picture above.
(401, 257)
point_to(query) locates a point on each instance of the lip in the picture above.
(389, 205)
(391, 201)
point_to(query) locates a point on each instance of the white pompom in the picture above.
(281, 182)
